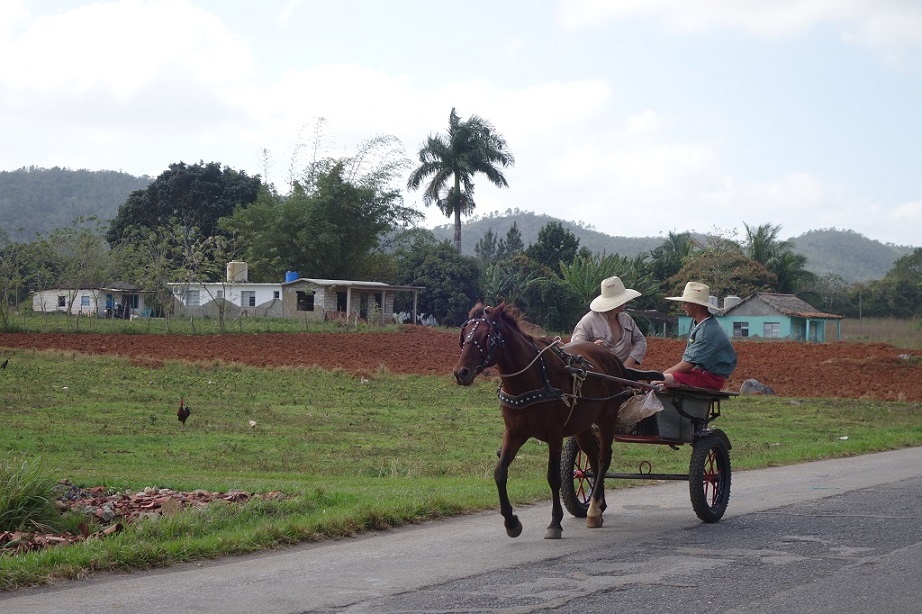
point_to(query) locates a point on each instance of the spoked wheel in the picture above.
(709, 477)
(576, 479)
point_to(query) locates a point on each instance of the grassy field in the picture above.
(906, 334)
(31, 322)
(349, 455)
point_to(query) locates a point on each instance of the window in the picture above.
(85, 300)
(62, 300)
(772, 330)
(192, 298)
(305, 301)
(220, 294)
(248, 298)
(741, 329)
(275, 294)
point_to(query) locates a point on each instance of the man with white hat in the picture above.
(709, 358)
(608, 325)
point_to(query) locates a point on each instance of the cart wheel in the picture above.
(709, 477)
(576, 479)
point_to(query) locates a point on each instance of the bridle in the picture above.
(494, 341)
(576, 366)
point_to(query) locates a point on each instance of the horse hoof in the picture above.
(516, 530)
(553, 533)
(594, 522)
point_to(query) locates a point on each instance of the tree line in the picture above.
(344, 218)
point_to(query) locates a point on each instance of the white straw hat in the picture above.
(614, 294)
(695, 293)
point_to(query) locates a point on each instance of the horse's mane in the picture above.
(511, 316)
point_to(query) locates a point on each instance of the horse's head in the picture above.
(481, 341)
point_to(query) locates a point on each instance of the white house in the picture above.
(296, 297)
(116, 300)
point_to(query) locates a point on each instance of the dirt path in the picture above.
(848, 370)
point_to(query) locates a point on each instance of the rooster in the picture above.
(184, 410)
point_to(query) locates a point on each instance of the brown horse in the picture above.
(549, 393)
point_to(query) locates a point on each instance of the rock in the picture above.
(752, 386)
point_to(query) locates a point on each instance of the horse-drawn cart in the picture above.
(684, 419)
(551, 391)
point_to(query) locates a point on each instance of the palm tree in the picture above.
(451, 160)
(763, 246)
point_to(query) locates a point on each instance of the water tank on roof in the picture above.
(237, 271)
(291, 276)
(731, 301)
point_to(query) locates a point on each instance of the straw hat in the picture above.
(614, 294)
(695, 293)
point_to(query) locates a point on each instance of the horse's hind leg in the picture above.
(555, 529)
(507, 453)
(597, 498)
(589, 443)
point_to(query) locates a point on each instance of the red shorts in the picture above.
(700, 379)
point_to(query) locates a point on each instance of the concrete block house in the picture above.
(119, 300)
(302, 298)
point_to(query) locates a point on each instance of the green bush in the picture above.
(26, 497)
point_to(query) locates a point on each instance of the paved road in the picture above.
(840, 536)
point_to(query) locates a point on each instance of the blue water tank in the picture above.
(291, 276)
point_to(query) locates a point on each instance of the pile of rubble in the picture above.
(116, 509)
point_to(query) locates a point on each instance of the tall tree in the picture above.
(667, 259)
(449, 279)
(485, 250)
(510, 245)
(763, 246)
(11, 276)
(450, 161)
(555, 246)
(330, 232)
(722, 265)
(195, 196)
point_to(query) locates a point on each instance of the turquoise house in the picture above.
(766, 315)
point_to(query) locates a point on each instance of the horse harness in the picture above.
(577, 365)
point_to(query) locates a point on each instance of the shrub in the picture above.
(26, 497)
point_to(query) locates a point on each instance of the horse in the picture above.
(547, 392)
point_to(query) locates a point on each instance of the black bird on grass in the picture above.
(5, 363)
(184, 410)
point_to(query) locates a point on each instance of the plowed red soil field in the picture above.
(791, 369)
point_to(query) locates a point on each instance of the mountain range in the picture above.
(36, 200)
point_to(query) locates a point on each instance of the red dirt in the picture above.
(791, 369)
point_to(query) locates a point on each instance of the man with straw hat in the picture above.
(608, 325)
(709, 357)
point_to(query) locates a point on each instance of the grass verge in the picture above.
(351, 455)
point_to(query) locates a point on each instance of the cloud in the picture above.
(887, 27)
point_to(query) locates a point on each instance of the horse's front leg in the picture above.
(597, 497)
(511, 445)
(555, 446)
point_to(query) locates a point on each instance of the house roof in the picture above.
(352, 284)
(787, 304)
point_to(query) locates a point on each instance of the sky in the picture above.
(634, 117)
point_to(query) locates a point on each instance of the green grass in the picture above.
(27, 321)
(351, 456)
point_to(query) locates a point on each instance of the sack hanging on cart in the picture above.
(636, 408)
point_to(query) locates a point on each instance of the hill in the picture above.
(845, 253)
(530, 223)
(37, 200)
